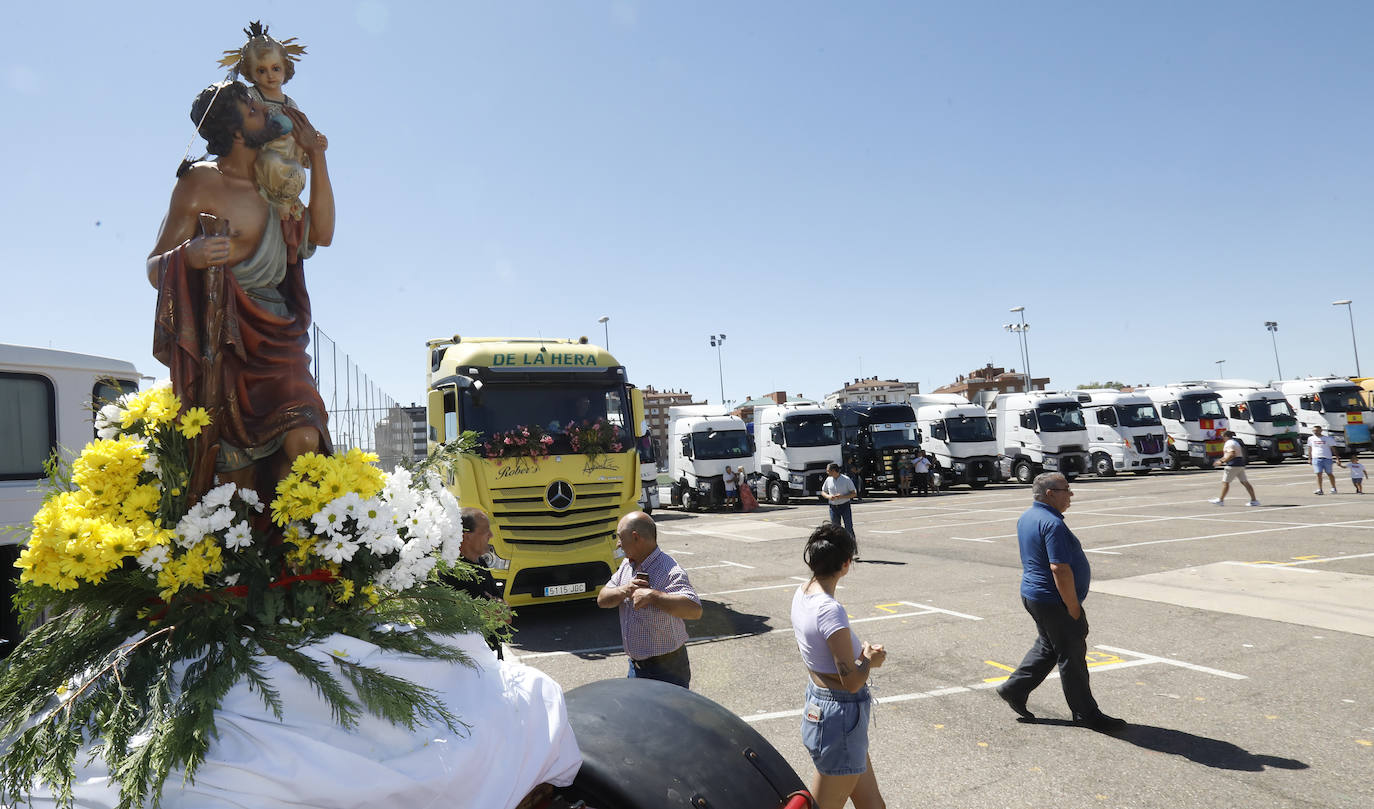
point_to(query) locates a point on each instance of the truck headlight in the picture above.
(704, 486)
(793, 477)
(495, 562)
(959, 467)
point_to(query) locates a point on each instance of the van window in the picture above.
(28, 425)
(107, 391)
(1169, 410)
(1107, 416)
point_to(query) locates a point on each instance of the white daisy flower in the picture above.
(154, 557)
(239, 536)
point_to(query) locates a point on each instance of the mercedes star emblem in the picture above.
(559, 495)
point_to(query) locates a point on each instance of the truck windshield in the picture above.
(716, 445)
(1201, 407)
(815, 430)
(500, 408)
(1271, 409)
(1341, 400)
(1137, 415)
(894, 437)
(1060, 418)
(969, 428)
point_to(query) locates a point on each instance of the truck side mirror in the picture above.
(687, 446)
(775, 435)
(753, 448)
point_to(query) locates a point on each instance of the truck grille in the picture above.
(523, 517)
(1149, 444)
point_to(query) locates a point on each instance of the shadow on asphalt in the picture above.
(583, 625)
(1222, 755)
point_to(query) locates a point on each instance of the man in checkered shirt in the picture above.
(654, 597)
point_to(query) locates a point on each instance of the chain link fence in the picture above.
(360, 414)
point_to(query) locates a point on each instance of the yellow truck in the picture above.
(557, 464)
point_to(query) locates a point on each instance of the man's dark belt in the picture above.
(663, 658)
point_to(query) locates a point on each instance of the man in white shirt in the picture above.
(1233, 469)
(1319, 452)
(839, 490)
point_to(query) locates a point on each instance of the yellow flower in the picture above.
(345, 593)
(371, 592)
(193, 420)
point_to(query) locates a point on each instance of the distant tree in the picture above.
(1108, 384)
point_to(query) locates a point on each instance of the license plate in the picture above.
(980, 480)
(565, 589)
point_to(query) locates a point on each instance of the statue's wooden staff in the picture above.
(205, 449)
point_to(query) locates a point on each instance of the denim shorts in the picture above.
(1320, 465)
(835, 729)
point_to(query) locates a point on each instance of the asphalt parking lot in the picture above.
(1239, 642)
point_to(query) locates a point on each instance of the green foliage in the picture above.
(1099, 385)
(136, 680)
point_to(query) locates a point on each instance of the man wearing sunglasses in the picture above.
(1054, 582)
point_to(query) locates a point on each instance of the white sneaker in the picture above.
(1217, 501)
(1333, 491)
(1253, 503)
(1319, 491)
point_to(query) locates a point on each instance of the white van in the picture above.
(795, 443)
(1124, 432)
(702, 441)
(1335, 403)
(1193, 420)
(48, 400)
(1261, 418)
(959, 435)
(1040, 431)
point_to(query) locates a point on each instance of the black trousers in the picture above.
(1062, 642)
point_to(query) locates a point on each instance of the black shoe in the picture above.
(1018, 705)
(1103, 723)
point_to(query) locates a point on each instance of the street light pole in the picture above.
(718, 340)
(1020, 329)
(1273, 326)
(1346, 303)
(1221, 372)
(604, 320)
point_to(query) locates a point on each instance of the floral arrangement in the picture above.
(524, 441)
(158, 606)
(594, 437)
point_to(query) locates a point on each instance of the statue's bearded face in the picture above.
(259, 127)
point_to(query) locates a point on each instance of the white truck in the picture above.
(959, 435)
(1193, 420)
(1040, 431)
(1124, 432)
(795, 443)
(47, 405)
(648, 473)
(702, 441)
(1335, 403)
(1261, 418)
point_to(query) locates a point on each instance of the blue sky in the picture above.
(843, 189)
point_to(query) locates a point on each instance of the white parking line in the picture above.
(1140, 659)
(1351, 523)
(723, 563)
(925, 609)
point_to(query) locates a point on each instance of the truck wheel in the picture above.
(1102, 465)
(1023, 472)
(977, 484)
(1277, 459)
(691, 501)
(777, 495)
(1172, 462)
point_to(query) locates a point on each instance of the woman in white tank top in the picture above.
(835, 719)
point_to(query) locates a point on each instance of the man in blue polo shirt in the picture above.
(1054, 582)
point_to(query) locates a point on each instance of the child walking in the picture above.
(1356, 473)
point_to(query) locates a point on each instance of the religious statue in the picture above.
(233, 314)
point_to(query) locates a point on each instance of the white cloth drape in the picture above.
(518, 737)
